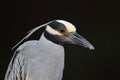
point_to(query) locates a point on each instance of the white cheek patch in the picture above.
(52, 31)
(70, 27)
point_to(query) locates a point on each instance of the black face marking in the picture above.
(57, 25)
(58, 39)
(54, 38)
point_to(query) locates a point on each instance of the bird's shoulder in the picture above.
(28, 44)
(17, 63)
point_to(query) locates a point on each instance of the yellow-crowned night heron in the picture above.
(43, 59)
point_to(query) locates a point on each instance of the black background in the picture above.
(96, 20)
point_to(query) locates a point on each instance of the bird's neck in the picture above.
(44, 40)
(51, 47)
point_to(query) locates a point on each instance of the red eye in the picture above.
(62, 31)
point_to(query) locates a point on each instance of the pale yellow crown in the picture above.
(69, 27)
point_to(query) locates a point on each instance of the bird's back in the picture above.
(37, 60)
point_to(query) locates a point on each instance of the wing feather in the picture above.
(16, 67)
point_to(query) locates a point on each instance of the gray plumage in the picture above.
(43, 59)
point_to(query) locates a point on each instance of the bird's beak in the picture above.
(78, 39)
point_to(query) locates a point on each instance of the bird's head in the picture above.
(60, 32)
(63, 32)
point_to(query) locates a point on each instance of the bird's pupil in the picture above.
(62, 31)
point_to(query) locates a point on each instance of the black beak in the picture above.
(78, 39)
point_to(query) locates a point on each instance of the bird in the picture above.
(43, 59)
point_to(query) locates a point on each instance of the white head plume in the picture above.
(30, 33)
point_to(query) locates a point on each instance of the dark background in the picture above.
(96, 20)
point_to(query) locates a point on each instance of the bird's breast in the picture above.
(46, 62)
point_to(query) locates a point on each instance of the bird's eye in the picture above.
(62, 31)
